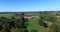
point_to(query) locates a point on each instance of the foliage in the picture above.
(41, 20)
(44, 19)
(9, 23)
(55, 28)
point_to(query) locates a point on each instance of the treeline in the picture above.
(17, 24)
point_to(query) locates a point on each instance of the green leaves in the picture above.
(7, 23)
(45, 20)
(50, 18)
(55, 28)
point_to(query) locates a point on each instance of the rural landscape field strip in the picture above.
(6, 15)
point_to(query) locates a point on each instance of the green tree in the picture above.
(41, 20)
(50, 18)
(55, 27)
(24, 26)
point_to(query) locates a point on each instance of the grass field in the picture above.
(33, 24)
(6, 15)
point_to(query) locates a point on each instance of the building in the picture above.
(29, 16)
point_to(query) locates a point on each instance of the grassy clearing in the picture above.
(33, 24)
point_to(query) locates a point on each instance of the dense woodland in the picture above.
(18, 24)
(14, 24)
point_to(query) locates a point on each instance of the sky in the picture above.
(29, 5)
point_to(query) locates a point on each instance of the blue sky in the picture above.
(29, 5)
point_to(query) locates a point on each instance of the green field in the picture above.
(5, 15)
(33, 25)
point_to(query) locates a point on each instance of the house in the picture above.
(31, 16)
(28, 16)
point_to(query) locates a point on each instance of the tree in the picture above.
(50, 18)
(41, 20)
(34, 30)
(55, 27)
(45, 25)
(23, 26)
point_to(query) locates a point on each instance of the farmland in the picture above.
(6, 15)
